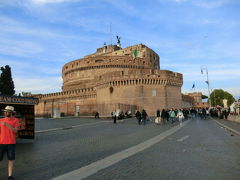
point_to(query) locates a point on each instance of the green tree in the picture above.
(204, 96)
(6, 82)
(218, 95)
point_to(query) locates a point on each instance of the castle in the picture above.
(114, 78)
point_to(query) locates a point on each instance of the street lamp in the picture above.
(204, 67)
(214, 96)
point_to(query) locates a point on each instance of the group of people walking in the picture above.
(172, 115)
(142, 117)
(162, 117)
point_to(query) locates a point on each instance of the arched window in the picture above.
(98, 61)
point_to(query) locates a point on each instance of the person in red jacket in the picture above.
(8, 129)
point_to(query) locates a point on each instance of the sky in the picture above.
(37, 37)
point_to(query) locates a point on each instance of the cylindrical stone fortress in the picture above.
(114, 79)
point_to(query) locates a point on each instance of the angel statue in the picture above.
(118, 39)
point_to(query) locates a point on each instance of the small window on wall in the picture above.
(98, 61)
(111, 90)
(122, 73)
(154, 92)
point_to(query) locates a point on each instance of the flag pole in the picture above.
(204, 67)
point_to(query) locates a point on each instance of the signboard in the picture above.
(18, 100)
(24, 107)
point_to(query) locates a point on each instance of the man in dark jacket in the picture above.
(138, 116)
(144, 116)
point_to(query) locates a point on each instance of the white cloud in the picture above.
(13, 26)
(180, 1)
(38, 85)
(209, 4)
(19, 48)
(52, 1)
(235, 91)
(124, 6)
(212, 4)
(216, 72)
(13, 63)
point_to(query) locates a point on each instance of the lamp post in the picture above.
(214, 96)
(204, 67)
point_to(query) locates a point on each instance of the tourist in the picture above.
(158, 119)
(204, 113)
(138, 116)
(180, 116)
(167, 115)
(172, 115)
(144, 116)
(164, 116)
(96, 115)
(8, 129)
(114, 116)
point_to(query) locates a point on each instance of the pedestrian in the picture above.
(144, 116)
(114, 117)
(172, 115)
(158, 118)
(97, 115)
(204, 112)
(180, 116)
(164, 116)
(167, 115)
(138, 116)
(8, 129)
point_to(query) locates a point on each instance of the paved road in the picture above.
(199, 150)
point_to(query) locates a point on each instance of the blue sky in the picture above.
(37, 37)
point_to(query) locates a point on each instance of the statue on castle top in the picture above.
(118, 41)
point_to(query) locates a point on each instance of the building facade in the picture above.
(113, 79)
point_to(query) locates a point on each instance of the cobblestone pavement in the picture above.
(56, 152)
(43, 124)
(200, 150)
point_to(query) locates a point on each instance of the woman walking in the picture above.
(180, 116)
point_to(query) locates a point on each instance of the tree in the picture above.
(204, 96)
(218, 95)
(6, 82)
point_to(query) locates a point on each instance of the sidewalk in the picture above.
(230, 125)
(235, 118)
